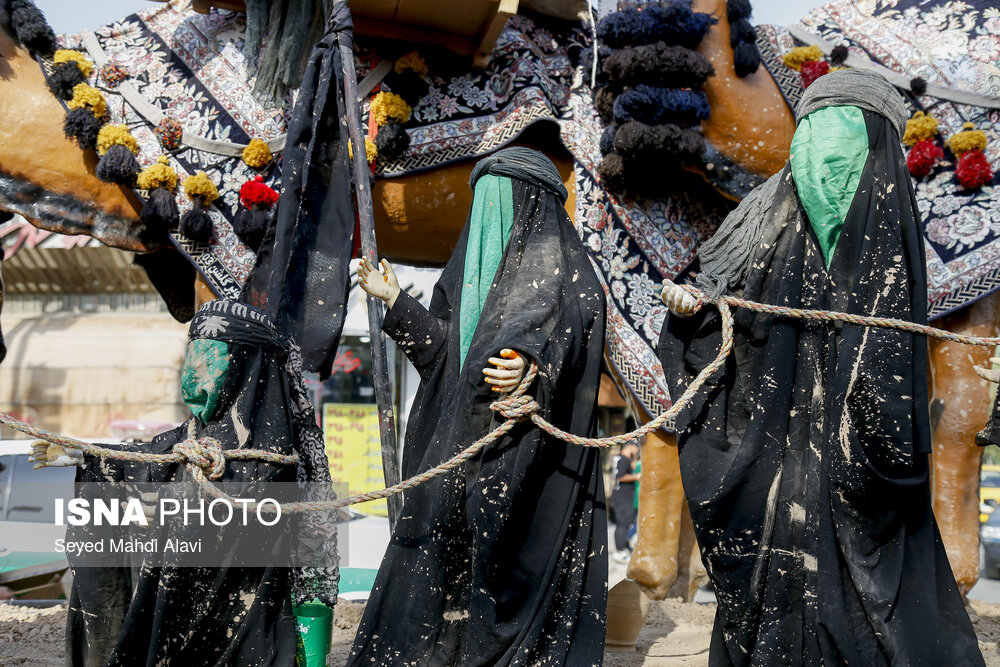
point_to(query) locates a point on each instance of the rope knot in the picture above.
(206, 454)
(697, 294)
(514, 407)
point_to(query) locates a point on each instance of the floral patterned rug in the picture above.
(953, 43)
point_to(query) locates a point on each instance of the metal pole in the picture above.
(366, 219)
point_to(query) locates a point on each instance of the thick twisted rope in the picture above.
(201, 455)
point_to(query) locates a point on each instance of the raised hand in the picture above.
(46, 455)
(508, 373)
(677, 299)
(382, 286)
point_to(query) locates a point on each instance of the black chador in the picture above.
(505, 560)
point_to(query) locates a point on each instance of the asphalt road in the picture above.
(987, 590)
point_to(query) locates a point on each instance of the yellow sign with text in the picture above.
(354, 450)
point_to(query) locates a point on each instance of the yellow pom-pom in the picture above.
(920, 127)
(413, 61)
(70, 56)
(88, 97)
(257, 155)
(801, 54)
(116, 135)
(370, 150)
(200, 185)
(969, 139)
(387, 106)
(158, 175)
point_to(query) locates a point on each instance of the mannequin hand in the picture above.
(385, 287)
(47, 455)
(508, 373)
(679, 301)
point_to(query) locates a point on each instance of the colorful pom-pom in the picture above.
(256, 192)
(969, 139)
(973, 170)
(257, 155)
(920, 127)
(88, 97)
(116, 135)
(200, 185)
(389, 106)
(371, 151)
(812, 70)
(922, 158)
(158, 175)
(801, 54)
(82, 62)
(411, 61)
(113, 74)
(169, 132)
(82, 126)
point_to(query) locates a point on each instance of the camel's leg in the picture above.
(959, 408)
(654, 563)
(202, 292)
(691, 573)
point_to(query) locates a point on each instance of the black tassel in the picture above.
(31, 28)
(918, 86)
(612, 172)
(392, 140)
(738, 9)
(197, 225)
(741, 31)
(82, 126)
(838, 55)
(160, 214)
(118, 165)
(608, 139)
(250, 225)
(604, 103)
(746, 58)
(64, 77)
(408, 85)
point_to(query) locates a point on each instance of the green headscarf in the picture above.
(490, 225)
(203, 376)
(828, 154)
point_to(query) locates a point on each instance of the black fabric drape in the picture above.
(236, 616)
(805, 461)
(302, 280)
(504, 562)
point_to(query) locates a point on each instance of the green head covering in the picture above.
(203, 376)
(828, 154)
(490, 225)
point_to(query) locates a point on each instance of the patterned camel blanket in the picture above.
(953, 43)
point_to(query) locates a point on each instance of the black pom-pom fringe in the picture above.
(63, 78)
(607, 143)
(746, 58)
(612, 172)
(30, 27)
(250, 226)
(160, 214)
(741, 32)
(918, 86)
(657, 144)
(118, 165)
(81, 126)
(392, 140)
(658, 65)
(197, 225)
(604, 103)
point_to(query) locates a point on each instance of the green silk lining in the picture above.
(203, 375)
(490, 224)
(828, 155)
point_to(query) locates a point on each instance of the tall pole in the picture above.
(366, 221)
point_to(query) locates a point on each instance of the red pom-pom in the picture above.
(168, 131)
(813, 70)
(256, 192)
(973, 170)
(922, 157)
